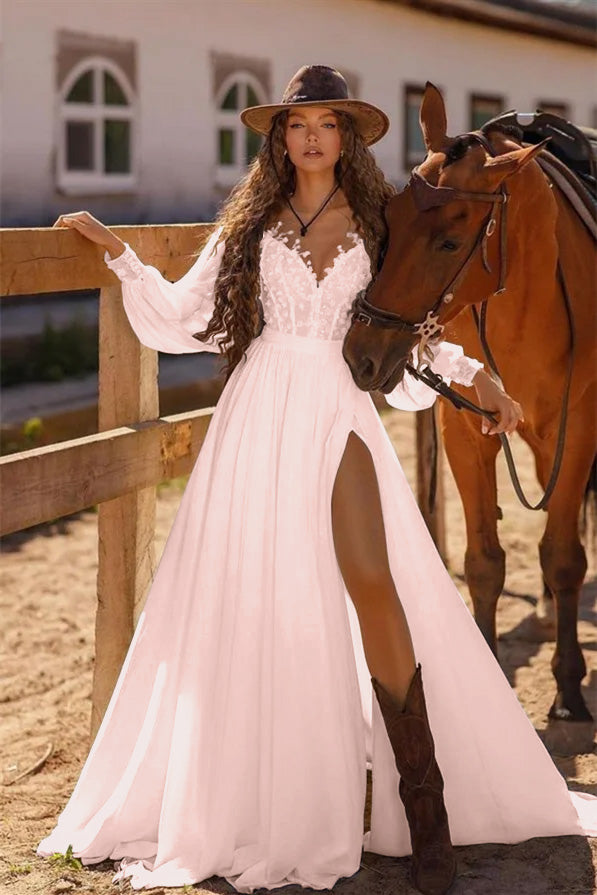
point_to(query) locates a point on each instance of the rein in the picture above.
(481, 323)
(428, 196)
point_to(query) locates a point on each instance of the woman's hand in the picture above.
(92, 229)
(493, 398)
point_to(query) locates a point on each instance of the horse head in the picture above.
(447, 244)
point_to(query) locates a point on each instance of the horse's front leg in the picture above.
(472, 459)
(564, 565)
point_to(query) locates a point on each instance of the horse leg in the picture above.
(546, 613)
(564, 564)
(540, 625)
(472, 461)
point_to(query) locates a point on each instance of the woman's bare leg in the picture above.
(360, 544)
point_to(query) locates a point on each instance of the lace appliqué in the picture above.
(295, 301)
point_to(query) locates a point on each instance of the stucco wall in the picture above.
(383, 45)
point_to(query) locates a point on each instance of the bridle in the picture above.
(427, 196)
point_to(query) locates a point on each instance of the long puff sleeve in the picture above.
(450, 362)
(165, 315)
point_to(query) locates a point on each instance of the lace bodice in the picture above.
(295, 301)
(165, 315)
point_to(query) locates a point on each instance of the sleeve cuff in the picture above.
(127, 265)
(465, 369)
(450, 361)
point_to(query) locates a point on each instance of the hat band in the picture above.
(306, 98)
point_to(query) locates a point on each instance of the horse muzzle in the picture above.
(376, 359)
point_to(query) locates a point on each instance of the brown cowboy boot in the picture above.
(421, 787)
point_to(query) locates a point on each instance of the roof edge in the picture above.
(529, 20)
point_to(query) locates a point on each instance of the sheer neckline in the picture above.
(304, 255)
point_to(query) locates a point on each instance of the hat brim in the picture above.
(371, 123)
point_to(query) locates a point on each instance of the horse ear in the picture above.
(432, 118)
(511, 162)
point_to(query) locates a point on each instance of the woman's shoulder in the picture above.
(345, 211)
(277, 218)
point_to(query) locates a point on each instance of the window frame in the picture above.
(492, 98)
(409, 161)
(96, 181)
(546, 105)
(229, 119)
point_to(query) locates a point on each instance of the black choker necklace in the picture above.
(305, 227)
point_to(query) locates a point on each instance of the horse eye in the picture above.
(448, 245)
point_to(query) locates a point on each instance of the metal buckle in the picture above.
(430, 331)
(429, 328)
(490, 229)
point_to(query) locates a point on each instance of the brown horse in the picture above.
(434, 260)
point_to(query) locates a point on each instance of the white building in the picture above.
(129, 108)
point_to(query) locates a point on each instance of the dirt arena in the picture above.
(47, 601)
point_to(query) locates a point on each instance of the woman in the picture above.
(234, 742)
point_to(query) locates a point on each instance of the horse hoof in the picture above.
(569, 737)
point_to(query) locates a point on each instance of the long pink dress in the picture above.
(238, 736)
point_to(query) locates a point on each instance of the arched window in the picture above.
(96, 128)
(236, 144)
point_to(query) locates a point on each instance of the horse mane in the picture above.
(459, 145)
(457, 149)
(509, 130)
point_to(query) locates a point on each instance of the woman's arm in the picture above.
(492, 397)
(164, 315)
(115, 247)
(450, 361)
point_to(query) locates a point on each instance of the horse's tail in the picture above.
(589, 504)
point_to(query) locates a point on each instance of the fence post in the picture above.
(426, 457)
(128, 393)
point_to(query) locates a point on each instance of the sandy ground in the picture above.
(47, 603)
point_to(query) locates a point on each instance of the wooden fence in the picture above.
(119, 467)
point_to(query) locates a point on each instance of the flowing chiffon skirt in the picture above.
(237, 738)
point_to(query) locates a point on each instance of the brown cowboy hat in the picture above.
(320, 85)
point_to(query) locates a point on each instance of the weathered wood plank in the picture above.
(48, 259)
(426, 457)
(53, 481)
(128, 391)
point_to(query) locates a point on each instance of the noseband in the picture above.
(427, 196)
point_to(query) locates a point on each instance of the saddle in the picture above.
(571, 160)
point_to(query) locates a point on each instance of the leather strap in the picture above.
(435, 381)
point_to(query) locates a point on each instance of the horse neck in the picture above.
(531, 297)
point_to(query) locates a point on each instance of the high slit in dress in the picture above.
(238, 736)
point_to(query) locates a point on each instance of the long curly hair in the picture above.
(251, 207)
